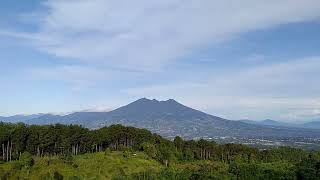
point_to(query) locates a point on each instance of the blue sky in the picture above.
(238, 60)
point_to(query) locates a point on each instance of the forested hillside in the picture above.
(118, 152)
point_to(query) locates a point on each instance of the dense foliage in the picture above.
(180, 159)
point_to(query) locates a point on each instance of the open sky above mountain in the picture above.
(235, 59)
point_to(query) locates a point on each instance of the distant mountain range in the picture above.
(312, 125)
(19, 118)
(268, 122)
(170, 118)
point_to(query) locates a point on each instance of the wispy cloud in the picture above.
(150, 34)
(19, 35)
(143, 42)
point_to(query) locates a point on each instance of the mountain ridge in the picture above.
(170, 118)
(270, 122)
(19, 117)
(312, 124)
(315, 124)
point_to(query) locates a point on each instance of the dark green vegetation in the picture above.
(118, 152)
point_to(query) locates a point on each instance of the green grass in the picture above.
(87, 166)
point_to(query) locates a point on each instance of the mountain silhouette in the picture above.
(170, 118)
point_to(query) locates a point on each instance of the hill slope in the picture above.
(170, 118)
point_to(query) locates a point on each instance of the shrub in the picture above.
(149, 149)
(126, 154)
(26, 159)
(67, 158)
(108, 151)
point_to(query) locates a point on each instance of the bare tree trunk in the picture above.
(77, 149)
(118, 144)
(7, 150)
(55, 149)
(3, 152)
(10, 150)
(38, 151)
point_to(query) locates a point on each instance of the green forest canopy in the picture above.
(20, 142)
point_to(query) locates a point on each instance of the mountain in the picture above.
(312, 125)
(19, 118)
(269, 122)
(170, 118)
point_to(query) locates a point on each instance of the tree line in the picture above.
(242, 161)
(48, 140)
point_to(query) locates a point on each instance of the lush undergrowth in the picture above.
(86, 166)
(138, 165)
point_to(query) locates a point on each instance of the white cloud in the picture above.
(147, 34)
(281, 90)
